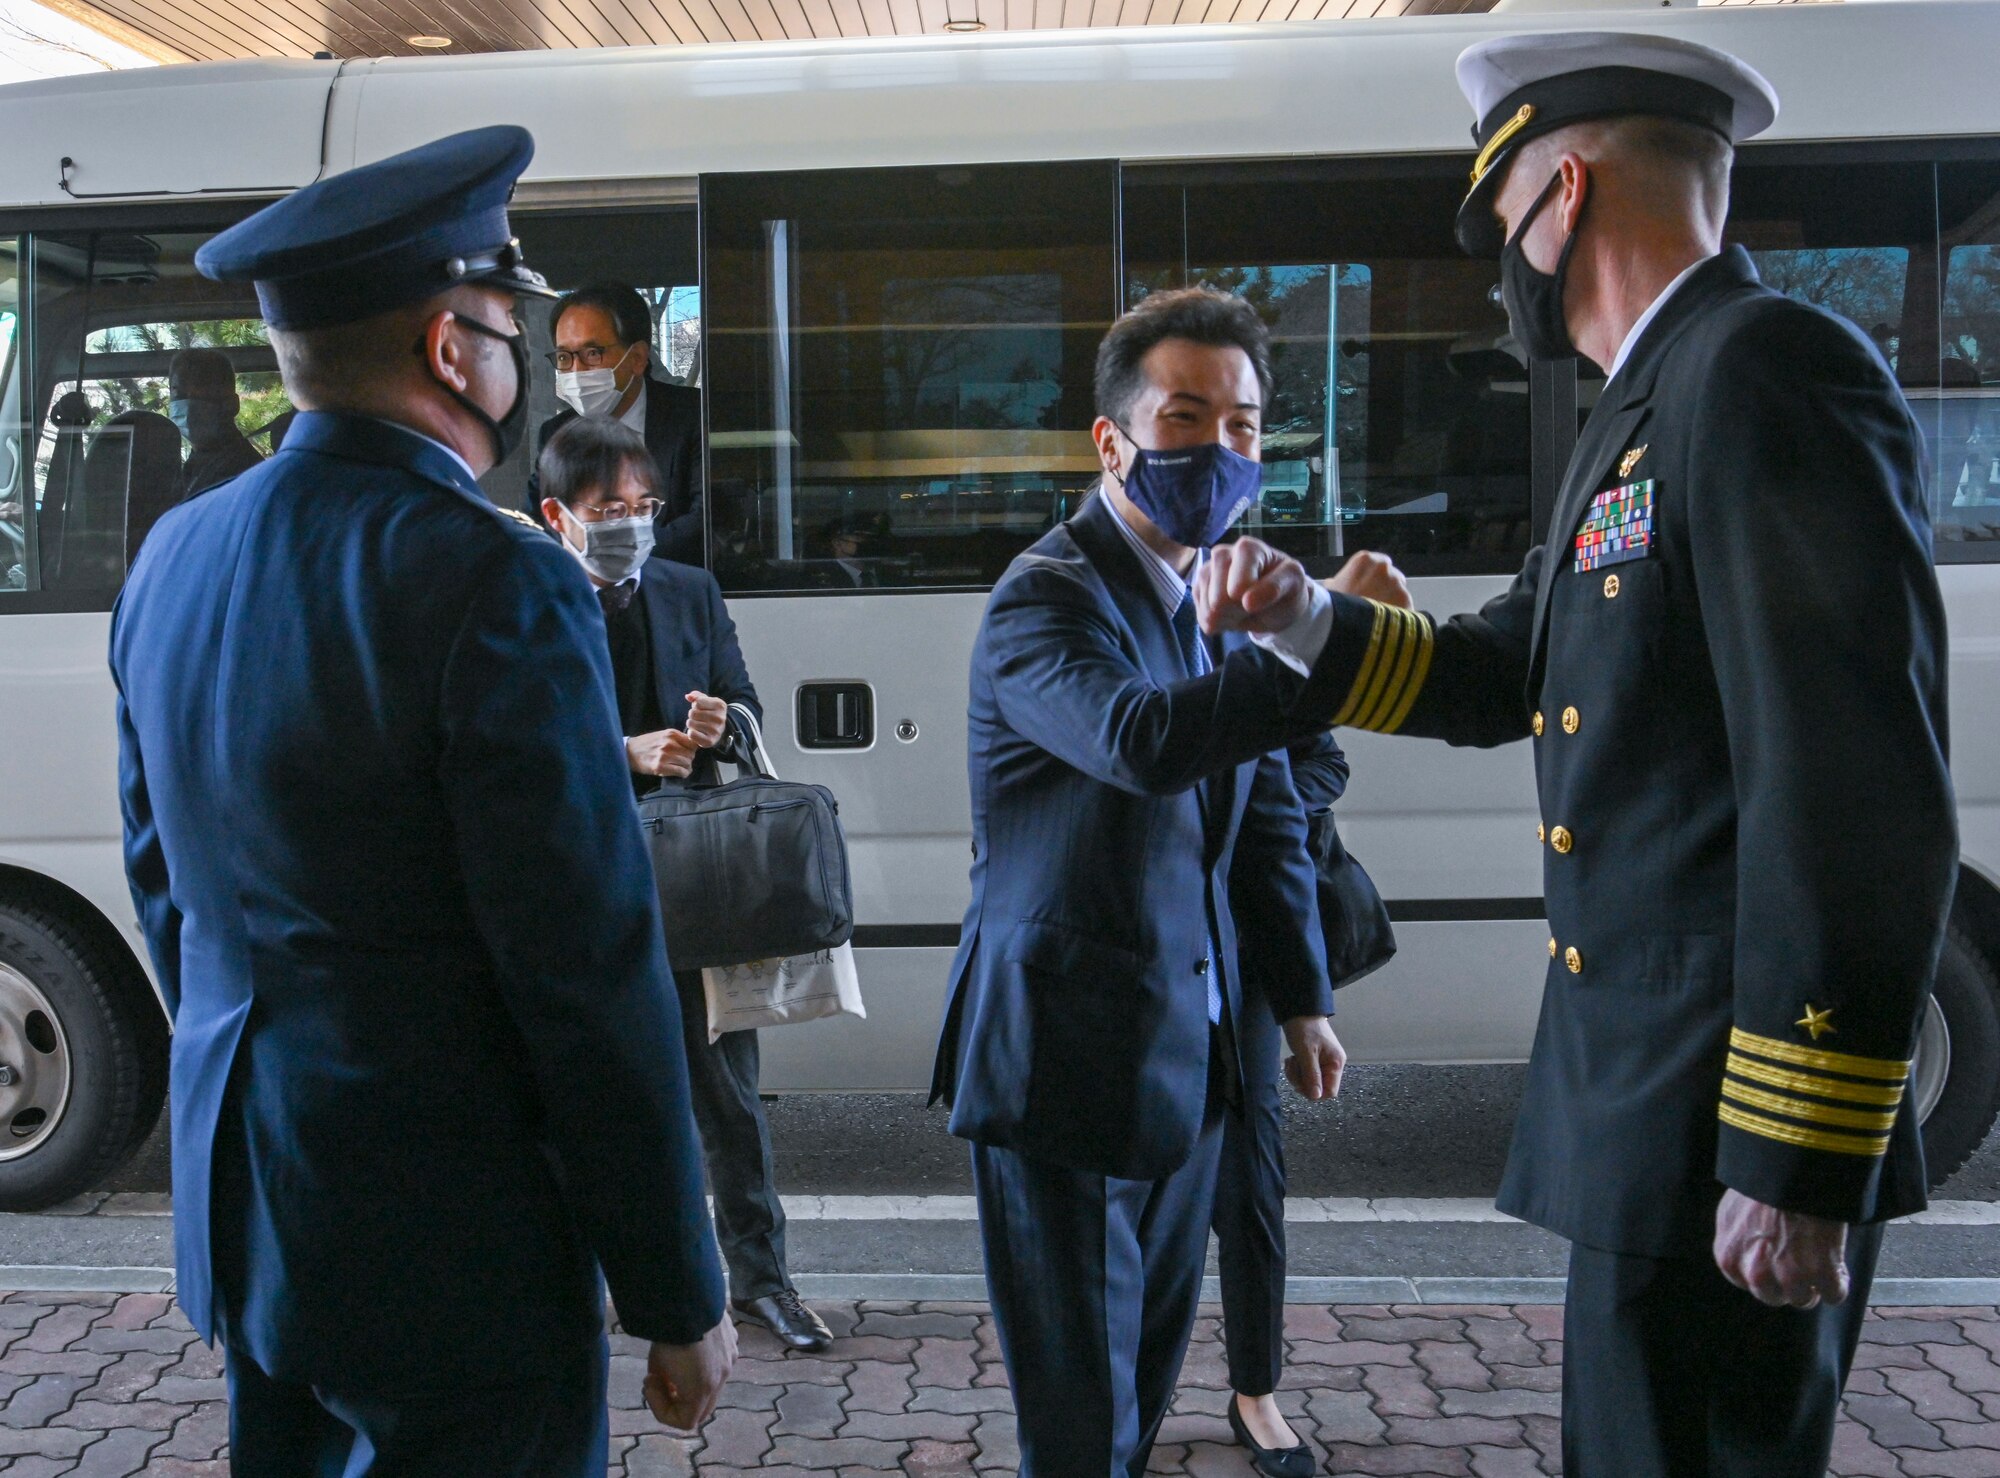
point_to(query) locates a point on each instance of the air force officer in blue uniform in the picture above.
(1123, 771)
(362, 715)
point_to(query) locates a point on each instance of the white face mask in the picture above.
(591, 392)
(613, 551)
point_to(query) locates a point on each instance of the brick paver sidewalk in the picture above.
(102, 1385)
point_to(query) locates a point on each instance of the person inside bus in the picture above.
(676, 667)
(1249, 1216)
(202, 400)
(603, 359)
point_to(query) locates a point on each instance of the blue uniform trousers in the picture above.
(1094, 1283)
(553, 1426)
(1670, 1371)
(1249, 1214)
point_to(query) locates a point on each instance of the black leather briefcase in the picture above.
(755, 869)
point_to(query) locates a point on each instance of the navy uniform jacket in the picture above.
(1748, 827)
(673, 436)
(694, 648)
(1112, 800)
(363, 717)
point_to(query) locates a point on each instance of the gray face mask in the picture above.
(613, 551)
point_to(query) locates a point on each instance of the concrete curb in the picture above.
(971, 1287)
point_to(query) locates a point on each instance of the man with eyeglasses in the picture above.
(603, 360)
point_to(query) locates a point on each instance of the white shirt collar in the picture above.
(1168, 583)
(1646, 319)
(635, 414)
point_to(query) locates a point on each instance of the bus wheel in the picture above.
(1956, 1078)
(82, 1059)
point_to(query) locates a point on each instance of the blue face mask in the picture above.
(1192, 494)
(177, 412)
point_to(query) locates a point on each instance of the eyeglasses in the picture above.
(590, 356)
(615, 512)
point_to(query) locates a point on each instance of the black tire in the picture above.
(113, 1034)
(1969, 996)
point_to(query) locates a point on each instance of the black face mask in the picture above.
(507, 431)
(1533, 299)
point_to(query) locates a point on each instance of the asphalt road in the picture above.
(1395, 1131)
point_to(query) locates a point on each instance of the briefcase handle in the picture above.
(750, 741)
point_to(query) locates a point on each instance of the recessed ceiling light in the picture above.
(429, 43)
(972, 25)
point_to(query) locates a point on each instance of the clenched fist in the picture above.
(708, 719)
(1372, 577)
(1249, 586)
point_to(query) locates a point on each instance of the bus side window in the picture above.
(1399, 419)
(1966, 442)
(899, 369)
(102, 317)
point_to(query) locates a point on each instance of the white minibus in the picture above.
(887, 264)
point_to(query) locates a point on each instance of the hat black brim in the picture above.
(1480, 232)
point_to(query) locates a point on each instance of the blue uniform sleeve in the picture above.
(1273, 896)
(146, 863)
(535, 781)
(1065, 682)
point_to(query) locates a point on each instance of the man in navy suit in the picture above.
(362, 715)
(1124, 774)
(677, 670)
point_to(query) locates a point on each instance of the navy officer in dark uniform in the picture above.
(1730, 656)
(362, 714)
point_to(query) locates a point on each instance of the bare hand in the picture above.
(1317, 1059)
(1780, 1257)
(669, 752)
(1372, 577)
(708, 719)
(1249, 586)
(683, 1381)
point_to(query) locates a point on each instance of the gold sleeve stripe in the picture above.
(1778, 1077)
(1812, 1113)
(1368, 661)
(1888, 1069)
(1389, 686)
(1392, 643)
(1795, 1134)
(1425, 640)
(1392, 671)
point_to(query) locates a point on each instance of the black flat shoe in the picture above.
(1272, 1462)
(787, 1317)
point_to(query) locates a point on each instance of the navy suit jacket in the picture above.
(1112, 799)
(362, 718)
(694, 648)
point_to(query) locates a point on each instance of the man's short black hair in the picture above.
(1199, 314)
(201, 374)
(592, 454)
(630, 318)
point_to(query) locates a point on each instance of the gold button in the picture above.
(1572, 720)
(1538, 726)
(1552, 947)
(1611, 587)
(1561, 840)
(1541, 832)
(1574, 960)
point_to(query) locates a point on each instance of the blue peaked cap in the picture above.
(384, 235)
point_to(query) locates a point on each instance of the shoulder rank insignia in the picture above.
(518, 516)
(1618, 527)
(1631, 459)
(1817, 1023)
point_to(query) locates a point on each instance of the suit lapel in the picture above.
(1618, 417)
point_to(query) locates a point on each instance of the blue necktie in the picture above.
(1195, 655)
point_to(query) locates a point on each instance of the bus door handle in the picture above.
(836, 715)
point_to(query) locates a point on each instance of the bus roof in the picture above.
(1919, 68)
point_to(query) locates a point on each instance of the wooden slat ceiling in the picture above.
(218, 30)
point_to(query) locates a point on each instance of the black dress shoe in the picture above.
(1272, 1462)
(787, 1317)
